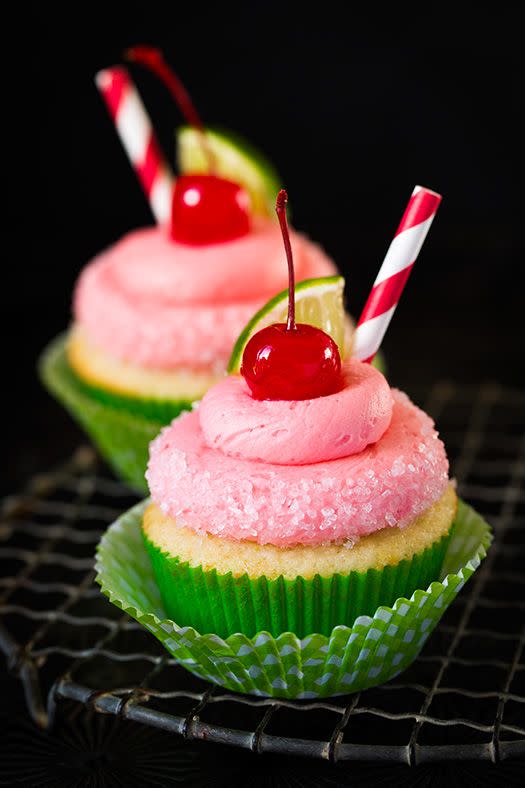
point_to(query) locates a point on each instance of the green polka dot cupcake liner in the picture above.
(120, 427)
(370, 651)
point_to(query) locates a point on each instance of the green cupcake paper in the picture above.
(162, 411)
(350, 658)
(121, 427)
(224, 604)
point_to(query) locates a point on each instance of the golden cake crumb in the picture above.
(99, 369)
(387, 546)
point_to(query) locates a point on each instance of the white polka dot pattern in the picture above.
(370, 652)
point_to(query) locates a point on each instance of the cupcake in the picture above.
(300, 494)
(156, 314)
(296, 515)
(303, 537)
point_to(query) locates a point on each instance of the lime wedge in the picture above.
(235, 159)
(318, 302)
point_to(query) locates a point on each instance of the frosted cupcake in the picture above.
(299, 495)
(155, 319)
(156, 314)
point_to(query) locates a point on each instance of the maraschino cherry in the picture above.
(291, 361)
(206, 209)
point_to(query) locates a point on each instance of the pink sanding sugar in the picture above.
(387, 484)
(162, 304)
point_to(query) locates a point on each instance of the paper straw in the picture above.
(138, 138)
(394, 273)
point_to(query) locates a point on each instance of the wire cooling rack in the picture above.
(463, 698)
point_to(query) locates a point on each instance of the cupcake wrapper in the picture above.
(121, 433)
(224, 604)
(163, 411)
(371, 651)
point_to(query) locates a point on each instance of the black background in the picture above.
(354, 110)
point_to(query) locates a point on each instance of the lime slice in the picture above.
(318, 302)
(235, 159)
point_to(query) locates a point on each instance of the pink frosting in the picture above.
(387, 484)
(161, 304)
(298, 432)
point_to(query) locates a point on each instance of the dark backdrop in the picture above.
(353, 113)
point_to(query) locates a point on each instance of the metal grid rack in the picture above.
(462, 699)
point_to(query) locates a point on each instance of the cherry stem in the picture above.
(152, 58)
(280, 209)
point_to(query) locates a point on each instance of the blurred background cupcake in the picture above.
(156, 314)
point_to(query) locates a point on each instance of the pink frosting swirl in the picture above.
(161, 304)
(298, 432)
(387, 484)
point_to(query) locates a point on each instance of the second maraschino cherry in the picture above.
(291, 361)
(206, 209)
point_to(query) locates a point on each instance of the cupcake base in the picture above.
(221, 586)
(121, 427)
(348, 659)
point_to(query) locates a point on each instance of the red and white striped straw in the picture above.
(394, 273)
(138, 138)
